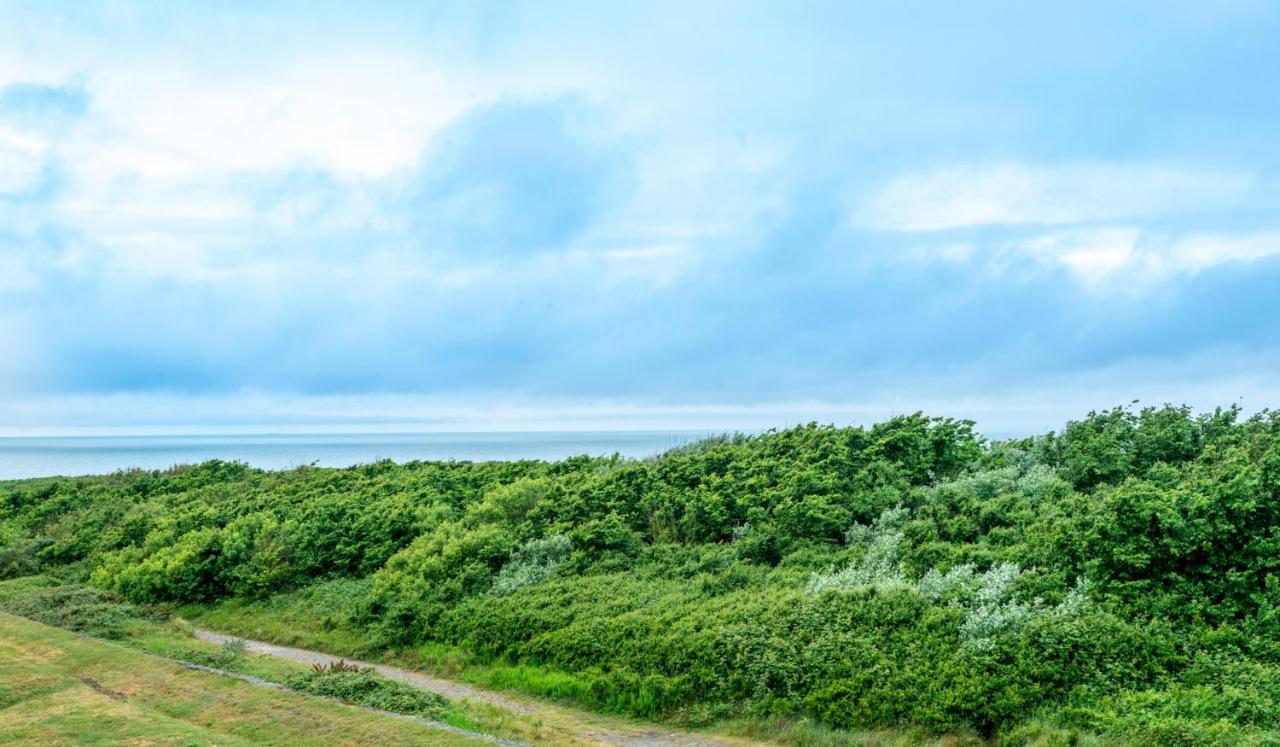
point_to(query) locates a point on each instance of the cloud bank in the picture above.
(533, 216)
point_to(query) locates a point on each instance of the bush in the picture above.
(335, 667)
(81, 609)
(1118, 579)
(366, 688)
(227, 656)
(19, 558)
(533, 562)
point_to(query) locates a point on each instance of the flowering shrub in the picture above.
(879, 565)
(533, 562)
(988, 598)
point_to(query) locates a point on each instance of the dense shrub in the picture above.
(78, 608)
(1120, 577)
(18, 557)
(227, 656)
(367, 688)
(533, 562)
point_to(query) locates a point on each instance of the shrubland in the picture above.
(1118, 579)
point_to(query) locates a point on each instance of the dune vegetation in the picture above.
(59, 688)
(1115, 581)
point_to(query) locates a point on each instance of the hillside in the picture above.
(1116, 580)
(60, 688)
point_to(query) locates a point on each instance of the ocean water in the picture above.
(87, 455)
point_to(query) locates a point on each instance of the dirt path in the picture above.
(259, 682)
(639, 736)
(448, 688)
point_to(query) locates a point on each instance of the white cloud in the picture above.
(358, 117)
(954, 253)
(1131, 255)
(1093, 255)
(22, 159)
(170, 173)
(1195, 253)
(16, 274)
(1016, 193)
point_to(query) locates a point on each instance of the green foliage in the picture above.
(366, 688)
(335, 667)
(1119, 579)
(533, 562)
(19, 557)
(78, 608)
(227, 656)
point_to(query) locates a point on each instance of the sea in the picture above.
(47, 456)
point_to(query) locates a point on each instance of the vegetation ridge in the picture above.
(1117, 580)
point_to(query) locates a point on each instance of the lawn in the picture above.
(60, 688)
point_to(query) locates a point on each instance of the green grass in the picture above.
(60, 688)
(807, 733)
(316, 617)
(173, 639)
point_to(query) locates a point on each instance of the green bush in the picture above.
(228, 656)
(366, 688)
(1116, 580)
(20, 558)
(81, 609)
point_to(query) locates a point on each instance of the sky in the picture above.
(579, 215)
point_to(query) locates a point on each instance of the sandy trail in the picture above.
(639, 736)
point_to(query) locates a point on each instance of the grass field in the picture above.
(60, 688)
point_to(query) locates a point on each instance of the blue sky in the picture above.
(706, 215)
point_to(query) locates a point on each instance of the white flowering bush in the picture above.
(987, 598)
(1024, 477)
(989, 602)
(533, 562)
(991, 608)
(879, 566)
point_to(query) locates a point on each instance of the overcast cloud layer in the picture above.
(687, 215)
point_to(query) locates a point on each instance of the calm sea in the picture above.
(86, 455)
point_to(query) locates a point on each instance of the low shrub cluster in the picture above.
(82, 609)
(335, 667)
(364, 687)
(228, 656)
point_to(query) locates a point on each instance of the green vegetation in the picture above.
(86, 610)
(58, 688)
(1117, 581)
(363, 687)
(152, 630)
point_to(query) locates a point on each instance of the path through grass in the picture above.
(60, 688)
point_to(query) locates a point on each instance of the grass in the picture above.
(76, 607)
(316, 617)
(60, 688)
(806, 733)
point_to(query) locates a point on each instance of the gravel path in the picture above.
(448, 688)
(277, 686)
(634, 737)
